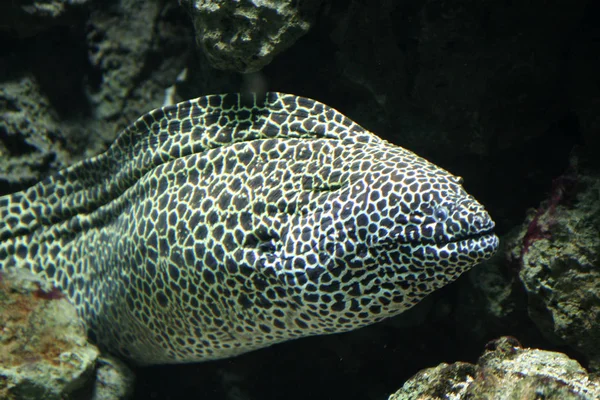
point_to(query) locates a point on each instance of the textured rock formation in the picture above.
(558, 254)
(44, 351)
(245, 35)
(31, 17)
(505, 371)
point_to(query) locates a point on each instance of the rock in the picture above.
(114, 380)
(29, 127)
(505, 371)
(44, 352)
(245, 35)
(136, 65)
(558, 251)
(27, 18)
(66, 94)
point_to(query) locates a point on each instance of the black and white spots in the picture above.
(229, 223)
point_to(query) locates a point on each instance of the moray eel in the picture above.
(232, 222)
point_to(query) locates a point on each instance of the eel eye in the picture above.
(441, 213)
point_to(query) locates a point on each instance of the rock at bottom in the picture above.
(505, 371)
(44, 352)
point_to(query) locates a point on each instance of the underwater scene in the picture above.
(299, 199)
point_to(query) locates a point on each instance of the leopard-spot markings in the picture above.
(232, 222)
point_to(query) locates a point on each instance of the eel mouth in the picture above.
(472, 236)
(438, 242)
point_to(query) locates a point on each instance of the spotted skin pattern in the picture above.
(232, 222)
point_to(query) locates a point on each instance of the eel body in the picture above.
(228, 223)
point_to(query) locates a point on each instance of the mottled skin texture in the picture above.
(228, 223)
